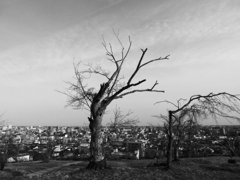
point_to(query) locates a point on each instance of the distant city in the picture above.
(74, 142)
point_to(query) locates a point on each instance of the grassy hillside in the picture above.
(209, 168)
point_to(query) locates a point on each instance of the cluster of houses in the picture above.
(128, 142)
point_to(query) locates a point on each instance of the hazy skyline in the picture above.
(40, 40)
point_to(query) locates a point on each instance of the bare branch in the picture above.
(158, 59)
(167, 102)
(117, 36)
(140, 90)
(119, 66)
(214, 105)
(210, 99)
(138, 67)
(97, 70)
(179, 102)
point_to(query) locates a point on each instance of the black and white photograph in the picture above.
(119, 89)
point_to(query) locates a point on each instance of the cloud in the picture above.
(189, 23)
(34, 62)
(162, 35)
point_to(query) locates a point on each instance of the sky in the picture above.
(41, 39)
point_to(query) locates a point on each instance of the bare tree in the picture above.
(182, 124)
(122, 120)
(221, 104)
(84, 97)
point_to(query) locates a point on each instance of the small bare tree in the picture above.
(215, 105)
(97, 101)
(122, 120)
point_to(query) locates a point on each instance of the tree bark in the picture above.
(170, 140)
(97, 156)
(176, 152)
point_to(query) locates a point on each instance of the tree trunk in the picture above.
(170, 140)
(97, 156)
(190, 140)
(176, 152)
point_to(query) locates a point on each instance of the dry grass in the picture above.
(209, 168)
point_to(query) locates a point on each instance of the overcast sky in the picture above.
(40, 40)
